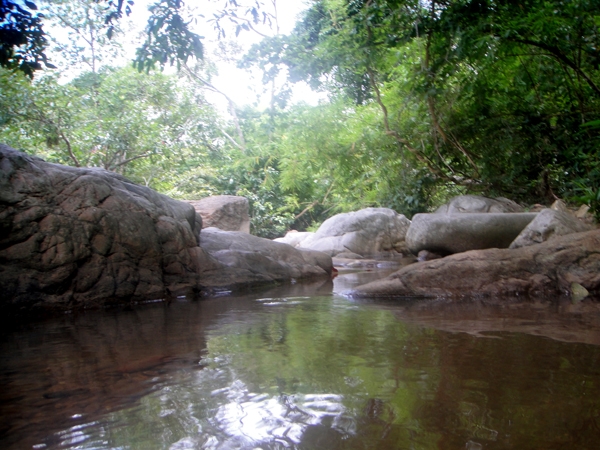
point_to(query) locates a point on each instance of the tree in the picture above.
(169, 35)
(489, 96)
(86, 44)
(22, 38)
(119, 119)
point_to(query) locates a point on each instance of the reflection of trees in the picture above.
(303, 372)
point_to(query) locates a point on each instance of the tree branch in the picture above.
(560, 56)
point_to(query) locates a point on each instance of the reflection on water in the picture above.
(300, 367)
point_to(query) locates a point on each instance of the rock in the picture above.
(79, 238)
(538, 270)
(294, 238)
(426, 255)
(559, 205)
(368, 232)
(479, 204)
(578, 292)
(72, 237)
(455, 233)
(348, 255)
(226, 212)
(582, 212)
(251, 259)
(548, 224)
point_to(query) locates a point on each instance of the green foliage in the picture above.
(22, 39)
(83, 44)
(169, 38)
(427, 100)
(485, 96)
(141, 125)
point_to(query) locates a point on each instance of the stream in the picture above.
(301, 366)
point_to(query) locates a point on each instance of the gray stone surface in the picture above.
(549, 268)
(454, 233)
(479, 204)
(226, 212)
(368, 232)
(548, 224)
(254, 259)
(294, 238)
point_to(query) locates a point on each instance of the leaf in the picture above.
(31, 5)
(592, 124)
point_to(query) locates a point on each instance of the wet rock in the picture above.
(252, 259)
(446, 234)
(72, 236)
(545, 269)
(548, 224)
(226, 212)
(478, 204)
(368, 232)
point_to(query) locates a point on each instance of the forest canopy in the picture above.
(426, 99)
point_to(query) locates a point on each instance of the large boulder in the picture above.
(551, 268)
(250, 259)
(226, 212)
(72, 236)
(548, 224)
(368, 232)
(479, 204)
(455, 233)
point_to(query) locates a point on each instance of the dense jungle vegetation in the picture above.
(426, 99)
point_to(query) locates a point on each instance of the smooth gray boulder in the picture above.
(294, 238)
(479, 204)
(455, 233)
(368, 232)
(548, 224)
(226, 212)
(254, 259)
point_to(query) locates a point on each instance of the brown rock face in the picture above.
(544, 269)
(226, 212)
(71, 236)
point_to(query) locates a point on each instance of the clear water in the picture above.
(302, 367)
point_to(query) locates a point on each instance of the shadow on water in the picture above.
(298, 366)
(64, 373)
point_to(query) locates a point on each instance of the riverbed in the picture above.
(303, 366)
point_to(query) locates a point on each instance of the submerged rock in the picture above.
(543, 269)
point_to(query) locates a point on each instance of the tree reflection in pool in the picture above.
(302, 368)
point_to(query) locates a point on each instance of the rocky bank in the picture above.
(83, 237)
(553, 267)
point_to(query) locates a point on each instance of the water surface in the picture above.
(302, 367)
